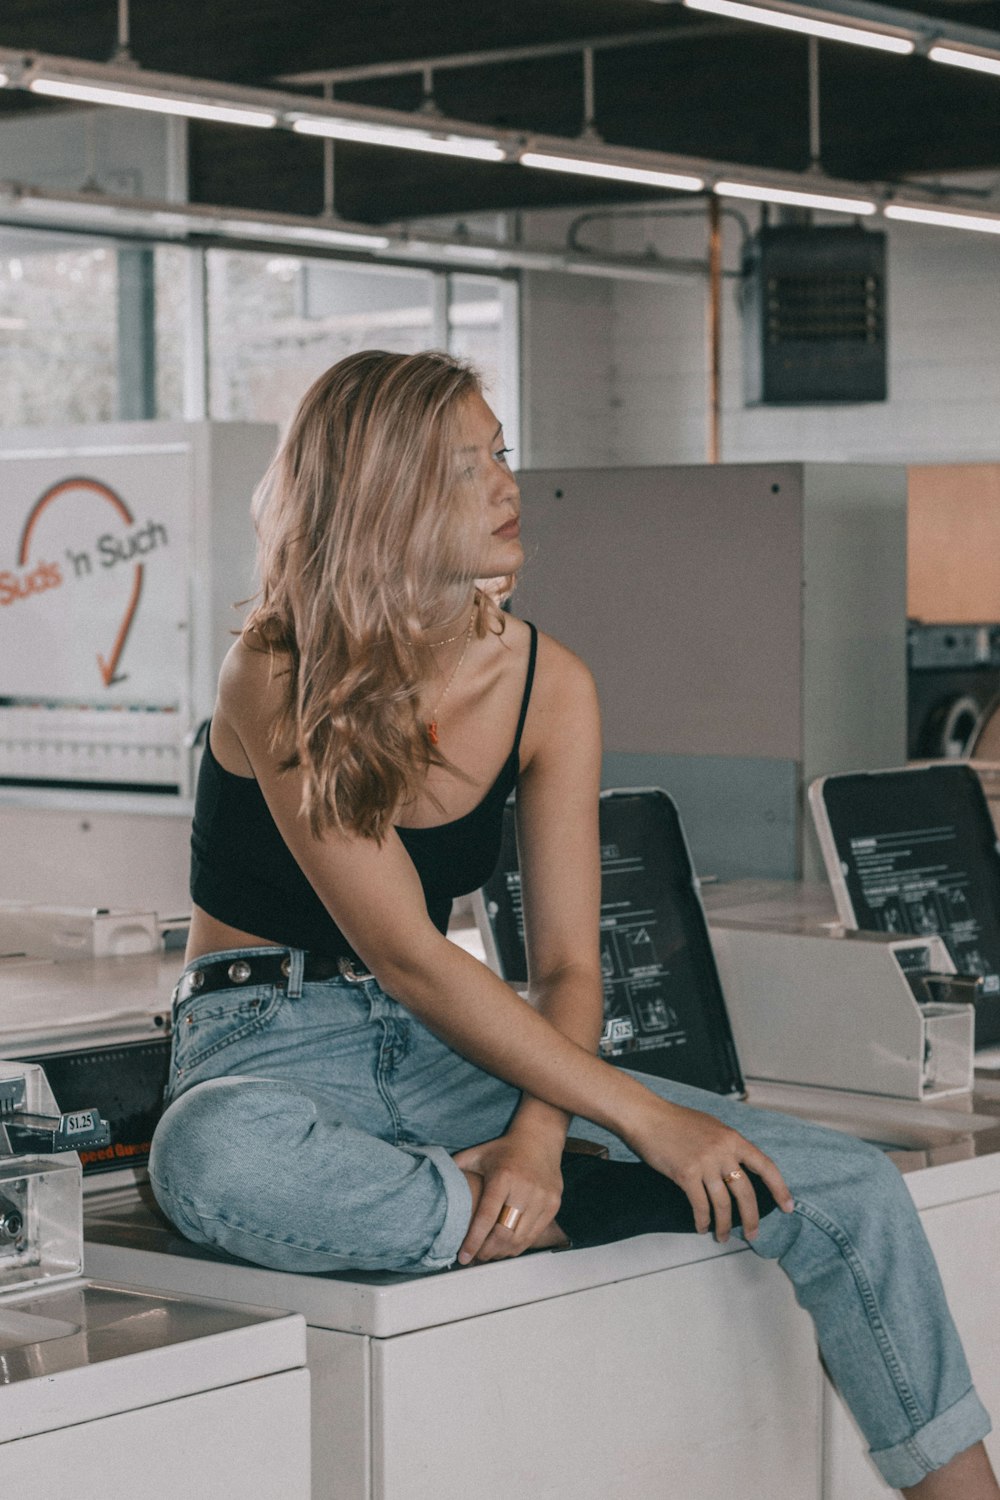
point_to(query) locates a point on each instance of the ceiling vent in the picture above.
(814, 315)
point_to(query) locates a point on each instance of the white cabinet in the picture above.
(660, 1366)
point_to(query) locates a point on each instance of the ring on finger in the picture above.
(732, 1176)
(509, 1215)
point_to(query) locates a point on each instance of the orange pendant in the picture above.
(432, 733)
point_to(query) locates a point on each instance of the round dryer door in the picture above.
(948, 730)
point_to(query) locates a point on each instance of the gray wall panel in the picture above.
(854, 678)
(680, 588)
(737, 813)
(740, 620)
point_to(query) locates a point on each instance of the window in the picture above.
(94, 331)
(78, 318)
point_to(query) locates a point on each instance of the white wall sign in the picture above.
(93, 577)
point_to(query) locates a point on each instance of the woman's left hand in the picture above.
(518, 1171)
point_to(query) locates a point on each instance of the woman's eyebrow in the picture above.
(471, 447)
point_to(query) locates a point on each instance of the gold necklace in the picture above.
(449, 640)
(432, 725)
(436, 645)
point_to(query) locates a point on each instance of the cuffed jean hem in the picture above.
(934, 1444)
(458, 1210)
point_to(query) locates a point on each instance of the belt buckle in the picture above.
(350, 973)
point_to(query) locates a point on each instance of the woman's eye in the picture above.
(501, 454)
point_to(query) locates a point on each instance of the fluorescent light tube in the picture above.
(643, 175)
(831, 31)
(482, 254)
(308, 234)
(485, 254)
(476, 148)
(942, 218)
(763, 194)
(160, 104)
(978, 61)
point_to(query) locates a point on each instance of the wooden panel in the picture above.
(953, 551)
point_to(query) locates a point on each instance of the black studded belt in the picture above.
(268, 968)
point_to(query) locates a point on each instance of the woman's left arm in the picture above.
(559, 855)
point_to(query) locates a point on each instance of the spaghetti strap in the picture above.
(529, 679)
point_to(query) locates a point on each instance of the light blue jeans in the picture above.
(311, 1128)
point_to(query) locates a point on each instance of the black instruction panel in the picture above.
(124, 1082)
(664, 1011)
(917, 853)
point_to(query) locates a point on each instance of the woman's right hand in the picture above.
(708, 1161)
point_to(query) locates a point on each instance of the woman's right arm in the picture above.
(374, 895)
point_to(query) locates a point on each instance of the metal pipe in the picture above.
(202, 225)
(588, 90)
(814, 125)
(714, 320)
(122, 50)
(499, 55)
(328, 208)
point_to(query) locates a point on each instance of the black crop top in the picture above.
(243, 873)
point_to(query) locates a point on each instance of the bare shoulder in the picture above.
(253, 685)
(563, 702)
(561, 676)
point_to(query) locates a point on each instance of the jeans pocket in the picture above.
(206, 1025)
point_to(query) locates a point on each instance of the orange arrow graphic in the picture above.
(110, 667)
(61, 488)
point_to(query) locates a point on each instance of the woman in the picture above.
(351, 1090)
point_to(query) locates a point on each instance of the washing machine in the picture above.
(592, 1373)
(112, 1390)
(953, 677)
(575, 1375)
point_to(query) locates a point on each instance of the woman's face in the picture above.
(496, 498)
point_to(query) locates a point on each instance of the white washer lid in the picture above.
(130, 1242)
(86, 1350)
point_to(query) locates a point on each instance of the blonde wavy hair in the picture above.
(365, 535)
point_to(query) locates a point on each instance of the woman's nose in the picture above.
(506, 488)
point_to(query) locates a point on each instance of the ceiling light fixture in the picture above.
(156, 103)
(812, 23)
(305, 234)
(370, 133)
(958, 57)
(455, 250)
(943, 218)
(615, 171)
(763, 193)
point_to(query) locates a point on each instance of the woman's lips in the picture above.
(509, 530)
